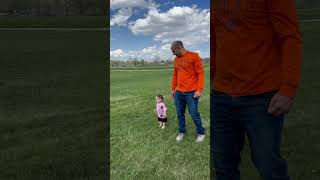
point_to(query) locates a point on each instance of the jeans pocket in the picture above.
(269, 95)
(196, 97)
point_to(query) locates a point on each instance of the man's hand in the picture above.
(197, 94)
(172, 94)
(280, 104)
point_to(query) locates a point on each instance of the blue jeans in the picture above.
(231, 119)
(182, 99)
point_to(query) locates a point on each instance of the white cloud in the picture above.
(166, 47)
(126, 8)
(150, 50)
(119, 53)
(188, 24)
(121, 18)
(148, 53)
(191, 25)
(117, 4)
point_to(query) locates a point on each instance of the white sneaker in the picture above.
(200, 137)
(179, 137)
(163, 127)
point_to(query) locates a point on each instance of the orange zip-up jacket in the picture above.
(188, 73)
(257, 47)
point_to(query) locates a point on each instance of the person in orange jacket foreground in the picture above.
(255, 69)
(186, 87)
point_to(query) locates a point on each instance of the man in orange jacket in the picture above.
(186, 87)
(255, 69)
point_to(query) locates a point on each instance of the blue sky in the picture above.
(144, 29)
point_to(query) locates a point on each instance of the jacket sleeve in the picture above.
(284, 21)
(174, 78)
(200, 71)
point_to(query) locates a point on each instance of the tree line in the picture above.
(140, 63)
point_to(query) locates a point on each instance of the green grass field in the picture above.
(53, 91)
(149, 67)
(309, 13)
(140, 150)
(53, 22)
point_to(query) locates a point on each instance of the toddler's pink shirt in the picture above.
(161, 110)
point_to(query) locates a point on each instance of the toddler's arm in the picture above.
(165, 110)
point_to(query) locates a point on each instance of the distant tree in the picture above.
(81, 7)
(135, 62)
(156, 59)
(66, 7)
(206, 60)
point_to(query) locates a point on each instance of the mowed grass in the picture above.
(309, 13)
(144, 67)
(53, 91)
(150, 68)
(53, 22)
(139, 149)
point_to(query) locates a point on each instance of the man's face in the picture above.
(176, 51)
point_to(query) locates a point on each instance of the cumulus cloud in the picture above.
(148, 53)
(121, 18)
(125, 9)
(191, 25)
(118, 53)
(188, 24)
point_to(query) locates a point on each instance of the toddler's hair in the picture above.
(160, 96)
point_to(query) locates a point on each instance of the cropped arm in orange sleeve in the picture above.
(200, 71)
(285, 24)
(174, 79)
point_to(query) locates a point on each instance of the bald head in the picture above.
(177, 48)
(177, 44)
